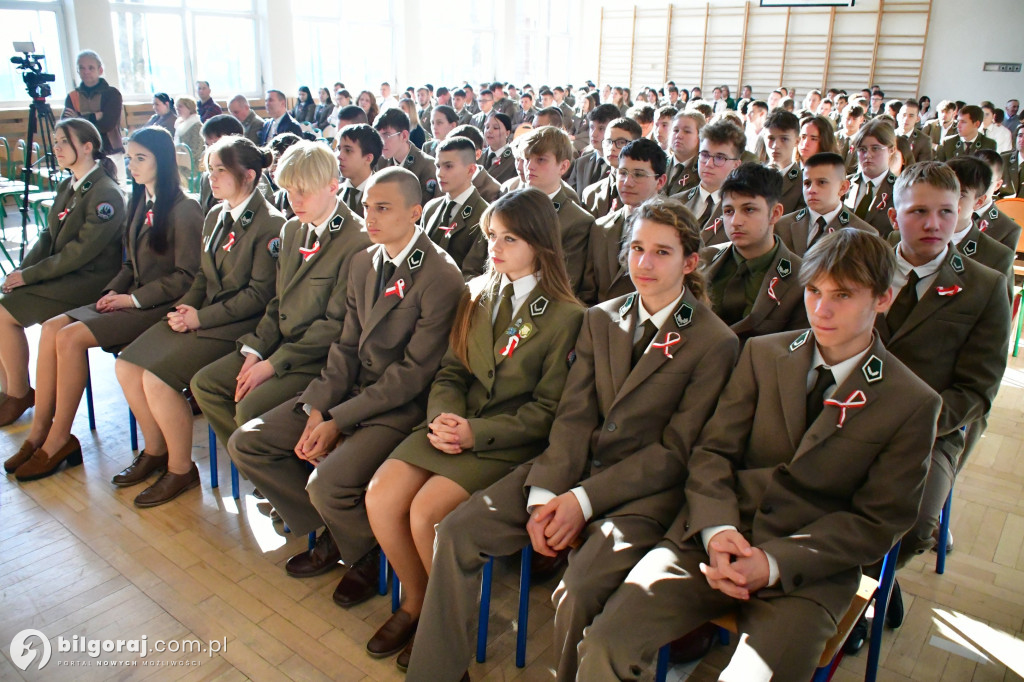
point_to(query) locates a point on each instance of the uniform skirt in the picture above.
(29, 305)
(172, 356)
(118, 328)
(468, 469)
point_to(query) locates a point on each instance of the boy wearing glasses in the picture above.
(753, 279)
(603, 196)
(639, 176)
(781, 139)
(393, 126)
(721, 144)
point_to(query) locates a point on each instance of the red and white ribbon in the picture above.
(771, 291)
(671, 339)
(513, 343)
(149, 218)
(682, 180)
(231, 242)
(855, 399)
(983, 226)
(949, 291)
(714, 226)
(310, 252)
(63, 214)
(881, 204)
(448, 230)
(397, 290)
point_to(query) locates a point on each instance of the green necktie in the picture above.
(865, 203)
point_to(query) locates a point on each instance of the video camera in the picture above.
(32, 70)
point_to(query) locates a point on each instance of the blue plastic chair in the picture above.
(524, 607)
(133, 427)
(941, 546)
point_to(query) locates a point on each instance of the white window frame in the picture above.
(67, 58)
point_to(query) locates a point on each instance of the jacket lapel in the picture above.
(334, 227)
(405, 272)
(947, 276)
(481, 338)
(792, 369)
(524, 323)
(620, 268)
(778, 280)
(620, 341)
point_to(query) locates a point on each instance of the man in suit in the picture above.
(752, 279)
(943, 125)
(684, 144)
(547, 153)
(603, 196)
(452, 221)
(812, 466)
(393, 126)
(721, 144)
(757, 114)
(872, 187)
(990, 219)
(906, 126)
(486, 103)
(459, 105)
(852, 119)
(402, 296)
(640, 175)
(591, 166)
(424, 107)
(949, 323)
(648, 368)
(280, 120)
(251, 123)
(825, 184)
(359, 148)
(290, 343)
(781, 137)
(968, 138)
(526, 111)
(503, 104)
(975, 178)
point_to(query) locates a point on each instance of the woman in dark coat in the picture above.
(162, 246)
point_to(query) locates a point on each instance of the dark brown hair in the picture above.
(672, 213)
(238, 154)
(82, 131)
(850, 256)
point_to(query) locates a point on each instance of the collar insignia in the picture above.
(721, 252)
(891, 179)
(246, 218)
(970, 247)
(691, 194)
(872, 369)
(993, 214)
(626, 305)
(466, 212)
(844, 217)
(799, 341)
(86, 186)
(410, 160)
(415, 259)
(683, 315)
(801, 214)
(794, 172)
(335, 223)
(507, 153)
(557, 205)
(539, 305)
(785, 268)
(957, 263)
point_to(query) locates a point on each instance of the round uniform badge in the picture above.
(104, 211)
(274, 247)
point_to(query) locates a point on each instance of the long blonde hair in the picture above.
(529, 215)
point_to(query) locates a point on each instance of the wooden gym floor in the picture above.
(77, 558)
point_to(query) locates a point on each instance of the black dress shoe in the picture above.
(894, 609)
(360, 581)
(858, 635)
(141, 469)
(323, 557)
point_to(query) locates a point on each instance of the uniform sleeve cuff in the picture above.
(135, 301)
(773, 569)
(584, 500)
(538, 497)
(249, 350)
(712, 531)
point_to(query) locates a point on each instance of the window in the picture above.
(542, 41)
(166, 45)
(466, 30)
(348, 40)
(39, 22)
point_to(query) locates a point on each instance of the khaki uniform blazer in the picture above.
(794, 228)
(626, 433)
(487, 186)
(606, 274)
(422, 165)
(160, 278)
(822, 500)
(953, 146)
(682, 177)
(957, 343)
(305, 315)
(793, 189)
(232, 287)
(921, 145)
(878, 213)
(463, 239)
(768, 315)
(602, 197)
(981, 248)
(501, 168)
(83, 251)
(574, 226)
(1000, 227)
(253, 126)
(712, 232)
(379, 370)
(509, 400)
(588, 169)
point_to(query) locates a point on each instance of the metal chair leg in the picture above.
(882, 594)
(661, 672)
(234, 481)
(88, 394)
(382, 579)
(485, 611)
(524, 605)
(133, 431)
(214, 482)
(940, 560)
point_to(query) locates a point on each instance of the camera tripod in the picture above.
(40, 121)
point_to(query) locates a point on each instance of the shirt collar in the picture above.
(877, 182)
(464, 196)
(237, 211)
(842, 370)
(521, 288)
(404, 253)
(80, 181)
(926, 270)
(985, 209)
(829, 217)
(785, 171)
(660, 317)
(716, 196)
(959, 236)
(362, 186)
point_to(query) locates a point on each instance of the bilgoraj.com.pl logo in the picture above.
(33, 648)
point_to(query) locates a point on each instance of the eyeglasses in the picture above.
(873, 149)
(638, 175)
(388, 136)
(617, 143)
(719, 159)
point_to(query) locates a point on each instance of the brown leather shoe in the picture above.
(167, 487)
(543, 568)
(12, 408)
(141, 469)
(393, 635)
(695, 645)
(359, 582)
(322, 558)
(402, 662)
(23, 454)
(41, 464)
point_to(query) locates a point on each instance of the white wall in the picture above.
(991, 31)
(90, 27)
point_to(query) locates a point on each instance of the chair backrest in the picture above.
(1015, 209)
(186, 165)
